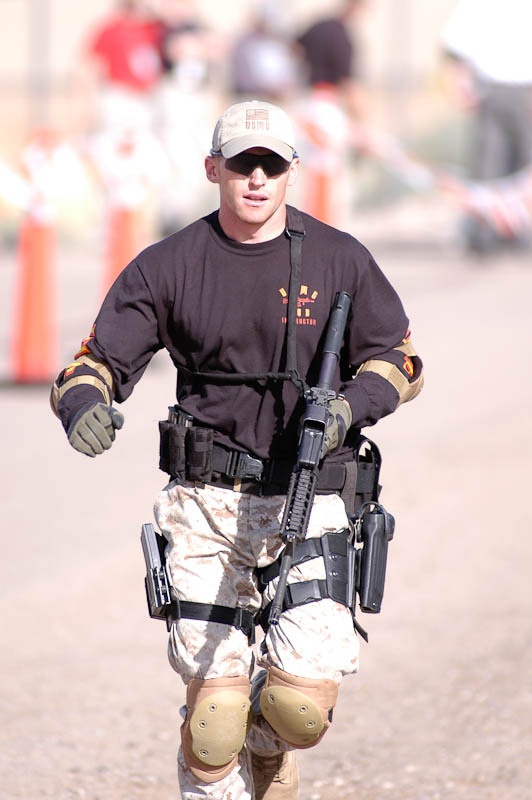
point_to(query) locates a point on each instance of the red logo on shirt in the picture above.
(305, 301)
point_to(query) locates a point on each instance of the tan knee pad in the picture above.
(218, 713)
(298, 709)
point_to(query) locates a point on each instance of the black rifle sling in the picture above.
(295, 230)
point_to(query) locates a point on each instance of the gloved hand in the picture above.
(93, 428)
(338, 423)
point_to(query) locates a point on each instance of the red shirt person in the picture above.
(125, 51)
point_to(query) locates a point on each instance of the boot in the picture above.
(275, 776)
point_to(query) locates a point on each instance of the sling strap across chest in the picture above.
(295, 231)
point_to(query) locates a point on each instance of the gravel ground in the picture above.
(442, 706)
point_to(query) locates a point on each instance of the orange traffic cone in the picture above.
(319, 196)
(35, 342)
(324, 131)
(318, 178)
(122, 242)
(121, 161)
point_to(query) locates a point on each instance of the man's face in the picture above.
(252, 189)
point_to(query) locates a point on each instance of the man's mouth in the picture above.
(255, 199)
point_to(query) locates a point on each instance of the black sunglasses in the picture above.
(246, 163)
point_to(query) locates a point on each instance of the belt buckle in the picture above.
(242, 465)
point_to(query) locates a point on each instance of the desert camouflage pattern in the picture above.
(216, 537)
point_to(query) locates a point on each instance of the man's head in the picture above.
(253, 124)
(253, 161)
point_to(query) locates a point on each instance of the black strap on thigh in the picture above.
(240, 618)
(339, 557)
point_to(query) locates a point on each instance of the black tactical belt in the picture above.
(188, 452)
(271, 476)
(332, 477)
(235, 465)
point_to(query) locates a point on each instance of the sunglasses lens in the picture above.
(246, 163)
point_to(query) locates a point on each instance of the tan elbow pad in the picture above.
(407, 380)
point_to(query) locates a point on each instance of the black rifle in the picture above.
(311, 447)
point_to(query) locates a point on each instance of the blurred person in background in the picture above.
(122, 65)
(121, 68)
(262, 61)
(227, 297)
(188, 95)
(332, 55)
(487, 44)
(335, 103)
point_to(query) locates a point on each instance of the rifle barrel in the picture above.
(278, 601)
(334, 338)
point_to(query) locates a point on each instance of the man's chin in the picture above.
(255, 215)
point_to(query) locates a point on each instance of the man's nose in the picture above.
(258, 176)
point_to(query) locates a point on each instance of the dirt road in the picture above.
(442, 707)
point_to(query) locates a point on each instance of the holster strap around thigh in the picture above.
(218, 716)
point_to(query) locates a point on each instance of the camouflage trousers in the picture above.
(216, 538)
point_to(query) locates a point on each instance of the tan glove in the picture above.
(338, 423)
(93, 428)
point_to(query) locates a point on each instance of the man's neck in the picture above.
(248, 233)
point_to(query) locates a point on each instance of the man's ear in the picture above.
(293, 172)
(211, 169)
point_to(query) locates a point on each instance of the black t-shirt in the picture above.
(220, 306)
(329, 52)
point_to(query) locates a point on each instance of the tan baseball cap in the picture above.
(253, 124)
